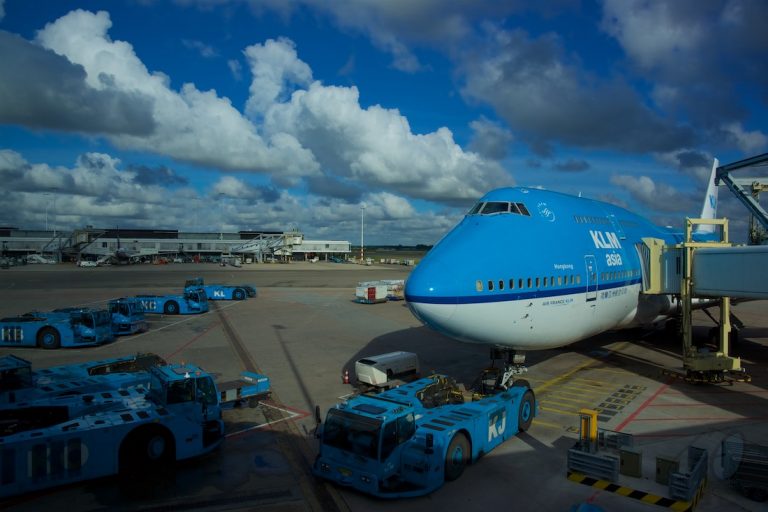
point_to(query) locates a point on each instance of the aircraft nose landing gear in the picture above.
(496, 379)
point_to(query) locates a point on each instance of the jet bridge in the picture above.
(706, 271)
(747, 191)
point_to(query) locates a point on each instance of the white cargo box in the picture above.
(371, 293)
(378, 370)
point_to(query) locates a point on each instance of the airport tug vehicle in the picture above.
(127, 316)
(409, 440)
(189, 303)
(124, 416)
(72, 327)
(221, 291)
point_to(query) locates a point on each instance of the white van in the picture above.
(379, 370)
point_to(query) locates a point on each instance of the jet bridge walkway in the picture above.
(703, 272)
(747, 191)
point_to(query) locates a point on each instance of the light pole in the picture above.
(47, 204)
(362, 224)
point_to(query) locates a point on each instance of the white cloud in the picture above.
(651, 32)
(658, 196)
(547, 98)
(236, 69)
(192, 125)
(101, 191)
(371, 145)
(490, 139)
(749, 142)
(205, 50)
(274, 66)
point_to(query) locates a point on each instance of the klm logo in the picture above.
(497, 424)
(605, 239)
(219, 294)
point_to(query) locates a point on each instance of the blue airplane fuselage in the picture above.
(531, 269)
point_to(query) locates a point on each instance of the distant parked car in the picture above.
(87, 263)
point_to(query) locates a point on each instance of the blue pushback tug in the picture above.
(72, 327)
(127, 316)
(409, 440)
(189, 303)
(129, 416)
(221, 291)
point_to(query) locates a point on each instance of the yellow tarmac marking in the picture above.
(573, 402)
(538, 422)
(560, 411)
(566, 392)
(608, 370)
(561, 378)
(586, 391)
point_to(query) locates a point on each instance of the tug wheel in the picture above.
(525, 413)
(145, 449)
(238, 294)
(49, 338)
(457, 457)
(171, 308)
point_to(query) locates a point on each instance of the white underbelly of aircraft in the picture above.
(532, 324)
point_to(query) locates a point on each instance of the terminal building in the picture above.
(154, 244)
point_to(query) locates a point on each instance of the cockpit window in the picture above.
(494, 207)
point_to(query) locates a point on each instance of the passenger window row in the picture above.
(527, 283)
(619, 274)
(588, 219)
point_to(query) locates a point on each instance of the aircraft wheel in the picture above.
(525, 413)
(457, 457)
(49, 338)
(171, 308)
(238, 294)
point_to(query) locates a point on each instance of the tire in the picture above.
(145, 449)
(171, 308)
(238, 294)
(457, 457)
(525, 413)
(48, 338)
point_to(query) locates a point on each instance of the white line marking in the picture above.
(150, 331)
(292, 415)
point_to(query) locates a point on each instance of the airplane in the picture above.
(531, 269)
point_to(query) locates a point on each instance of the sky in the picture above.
(228, 115)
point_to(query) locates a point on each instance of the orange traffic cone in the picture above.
(345, 378)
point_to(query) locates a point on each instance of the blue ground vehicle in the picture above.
(221, 291)
(168, 413)
(127, 316)
(70, 327)
(409, 440)
(18, 383)
(191, 302)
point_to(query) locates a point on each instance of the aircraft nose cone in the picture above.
(430, 295)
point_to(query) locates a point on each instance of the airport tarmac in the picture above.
(303, 329)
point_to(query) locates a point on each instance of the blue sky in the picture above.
(274, 114)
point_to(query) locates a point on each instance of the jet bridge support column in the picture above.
(704, 365)
(699, 365)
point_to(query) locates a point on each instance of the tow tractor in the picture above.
(221, 291)
(409, 440)
(19, 383)
(127, 316)
(168, 413)
(191, 302)
(75, 327)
